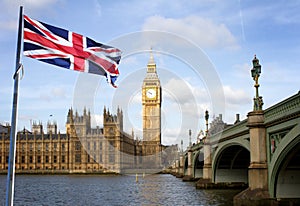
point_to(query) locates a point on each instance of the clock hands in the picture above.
(150, 93)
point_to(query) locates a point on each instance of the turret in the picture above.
(70, 116)
(51, 127)
(84, 111)
(120, 118)
(80, 123)
(37, 128)
(113, 120)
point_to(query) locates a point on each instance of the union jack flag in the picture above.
(70, 50)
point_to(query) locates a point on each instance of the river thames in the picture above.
(111, 190)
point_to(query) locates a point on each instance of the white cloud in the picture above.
(130, 60)
(170, 136)
(96, 120)
(236, 96)
(58, 92)
(9, 21)
(54, 93)
(178, 90)
(203, 32)
(45, 92)
(242, 70)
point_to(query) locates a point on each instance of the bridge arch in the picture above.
(185, 165)
(231, 163)
(285, 167)
(198, 163)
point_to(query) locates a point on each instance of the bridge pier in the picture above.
(189, 176)
(205, 182)
(179, 167)
(207, 170)
(176, 168)
(257, 193)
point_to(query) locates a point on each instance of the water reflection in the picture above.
(111, 190)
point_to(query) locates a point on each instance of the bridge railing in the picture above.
(231, 132)
(283, 109)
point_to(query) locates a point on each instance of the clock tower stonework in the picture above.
(151, 104)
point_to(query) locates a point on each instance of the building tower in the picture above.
(52, 127)
(37, 128)
(112, 129)
(151, 105)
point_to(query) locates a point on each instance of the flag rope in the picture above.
(20, 68)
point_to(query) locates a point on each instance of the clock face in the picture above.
(151, 93)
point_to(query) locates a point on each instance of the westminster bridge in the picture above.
(261, 152)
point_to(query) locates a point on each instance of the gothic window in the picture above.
(23, 147)
(55, 146)
(63, 146)
(100, 145)
(100, 158)
(23, 159)
(95, 145)
(94, 158)
(152, 111)
(111, 158)
(148, 123)
(63, 159)
(89, 145)
(78, 131)
(47, 146)
(30, 159)
(77, 158)
(111, 131)
(39, 147)
(111, 145)
(77, 146)
(47, 159)
(30, 146)
(38, 159)
(54, 159)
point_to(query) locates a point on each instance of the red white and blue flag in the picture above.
(70, 50)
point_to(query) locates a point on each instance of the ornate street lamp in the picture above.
(181, 146)
(190, 134)
(206, 120)
(255, 73)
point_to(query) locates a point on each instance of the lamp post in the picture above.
(255, 73)
(190, 134)
(181, 146)
(206, 121)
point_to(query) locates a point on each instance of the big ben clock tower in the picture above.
(151, 102)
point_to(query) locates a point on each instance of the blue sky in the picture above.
(203, 50)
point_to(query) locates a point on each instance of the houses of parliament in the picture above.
(83, 149)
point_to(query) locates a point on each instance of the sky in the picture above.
(203, 50)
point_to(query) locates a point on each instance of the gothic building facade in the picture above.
(83, 149)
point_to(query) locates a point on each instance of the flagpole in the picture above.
(12, 148)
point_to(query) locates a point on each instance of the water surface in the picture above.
(111, 190)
